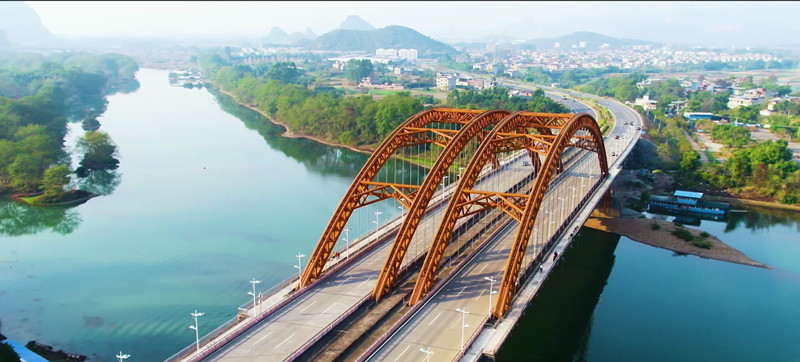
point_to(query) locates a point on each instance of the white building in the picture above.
(445, 81)
(738, 101)
(646, 103)
(386, 52)
(409, 54)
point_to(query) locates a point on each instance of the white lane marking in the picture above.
(284, 341)
(308, 306)
(479, 295)
(362, 283)
(262, 338)
(435, 318)
(462, 291)
(401, 353)
(345, 281)
(484, 267)
(329, 308)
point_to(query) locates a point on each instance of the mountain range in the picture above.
(20, 26)
(592, 41)
(393, 36)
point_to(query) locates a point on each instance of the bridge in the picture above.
(479, 206)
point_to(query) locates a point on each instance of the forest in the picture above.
(39, 95)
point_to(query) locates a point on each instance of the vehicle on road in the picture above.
(616, 137)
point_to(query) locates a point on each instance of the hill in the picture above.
(280, 37)
(22, 26)
(355, 22)
(393, 36)
(593, 41)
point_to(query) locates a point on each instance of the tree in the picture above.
(357, 69)
(284, 72)
(690, 161)
(99, 151)
(7, 353)
(55, 178)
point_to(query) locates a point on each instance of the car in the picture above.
(616, 137)
(613, 154)
(526, 163)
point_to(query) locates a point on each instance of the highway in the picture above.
(279, 336)
(437, 327)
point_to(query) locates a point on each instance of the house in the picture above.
(646, 103)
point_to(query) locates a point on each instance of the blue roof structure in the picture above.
(25, 354)
(690, 194)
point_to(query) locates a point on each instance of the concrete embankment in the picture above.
(643, 231)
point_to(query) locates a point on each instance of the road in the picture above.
(288, 330)
(437, 327)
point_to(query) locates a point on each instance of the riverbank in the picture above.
(289, 133)
(643, 230)
(67, 198)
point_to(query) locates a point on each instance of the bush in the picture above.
(655, 226)
(684, 234)
(704, 234)
(702, 244)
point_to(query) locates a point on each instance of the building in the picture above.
(408, 54)
(687, 202)
(738, 101)
(694, 116)
(386, 52)
(445, 81)
(646, 103)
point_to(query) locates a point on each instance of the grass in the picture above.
(683, 234)
(702, 244)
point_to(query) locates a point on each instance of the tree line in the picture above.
(38, 96)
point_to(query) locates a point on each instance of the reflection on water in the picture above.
(18, 219)
(101, 182)
(761, 218)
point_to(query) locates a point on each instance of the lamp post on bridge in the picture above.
(377, 220)
(195, 315)
(299, 269)
(347, 240)
(121, 356)
(253, 293)
(491, 291)
(464, 325)
(428, 352)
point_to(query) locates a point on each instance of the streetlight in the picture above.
(444, 181)
(299, 269)
(428, 352)
(121, 356)
(347, 240)
(253, 293)
(491, 291)
(377, 220)
(196, 331)
(464, 325)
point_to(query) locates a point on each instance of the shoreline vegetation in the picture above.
(288, 132)
(664, 234)
(66, 198)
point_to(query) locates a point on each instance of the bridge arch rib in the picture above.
(474, 129)
(511, 134)
(364, 191)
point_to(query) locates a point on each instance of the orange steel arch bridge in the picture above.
(463, 147)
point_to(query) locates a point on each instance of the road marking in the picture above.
(345, 281)
(484, 267)
(462, 291)
(284, 341)
(262, 338)
(329, 308)
(304, 309)
(401, 353)
(362, 283)
(479, 295)
(435, 318)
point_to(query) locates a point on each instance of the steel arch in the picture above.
(509, 135)
(418, 207)
(411, 132)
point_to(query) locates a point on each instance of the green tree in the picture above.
(99, 151)
(55, 178)
(284, 72)
(357, 69)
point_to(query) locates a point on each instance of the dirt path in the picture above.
(641, 230)
(696, 147)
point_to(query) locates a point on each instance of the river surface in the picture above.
(209, 196)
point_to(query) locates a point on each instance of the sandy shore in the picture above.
(289, 133)
(641, 230)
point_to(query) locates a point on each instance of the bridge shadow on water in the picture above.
(557, 324)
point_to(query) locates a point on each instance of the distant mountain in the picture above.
(23, 27)
(278, 36)
(394, 37)
(355, 22)
(3, 40)
(593, 41)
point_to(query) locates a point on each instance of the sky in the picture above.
(707, 23)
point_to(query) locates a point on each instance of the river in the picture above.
(209, 196)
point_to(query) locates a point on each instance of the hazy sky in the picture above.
(712, 23)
